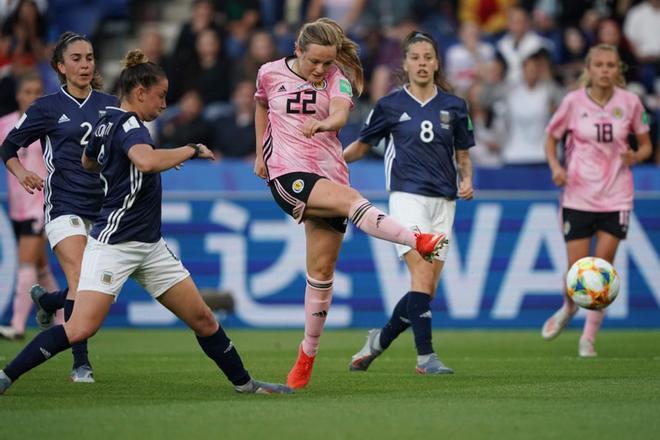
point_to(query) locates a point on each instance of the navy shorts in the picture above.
(33, 226)
(584, 224)
(291, 192)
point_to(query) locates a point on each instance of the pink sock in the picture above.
(318, 295)
(48, 282)
(592, 324)
(27, 277)
(376, 223)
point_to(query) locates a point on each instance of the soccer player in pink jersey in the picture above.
(596, 177)
(27, 215)
(302, 101)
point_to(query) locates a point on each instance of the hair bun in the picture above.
(134, 58)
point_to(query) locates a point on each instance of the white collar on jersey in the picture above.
(74, 99)
(435, 89)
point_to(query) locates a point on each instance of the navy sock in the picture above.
(397, 324)
(419, 313)
(222, 351)
(53, 301)
(44, 346)
(79, 349)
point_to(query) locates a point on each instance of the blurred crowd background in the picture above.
(512, 61)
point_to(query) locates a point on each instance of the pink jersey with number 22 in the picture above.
(291, 100)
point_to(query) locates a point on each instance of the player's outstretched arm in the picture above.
(356, 151)
(148, 160)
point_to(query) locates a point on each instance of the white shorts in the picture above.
(106, 267)
(66, 226)
(429, 214)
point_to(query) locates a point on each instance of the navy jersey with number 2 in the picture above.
(421, 140)
(64, 126)
(132, 203)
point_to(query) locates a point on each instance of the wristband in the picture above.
(197, 149)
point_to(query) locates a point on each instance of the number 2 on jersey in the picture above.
(84, 140)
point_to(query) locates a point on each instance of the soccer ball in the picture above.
(592, 283)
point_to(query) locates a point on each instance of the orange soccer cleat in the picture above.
(301, 371)
(428, 245)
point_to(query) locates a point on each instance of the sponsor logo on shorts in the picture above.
(567, 227)
(298, 185)
(106, 278)
(75, 221)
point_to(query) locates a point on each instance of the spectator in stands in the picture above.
(187, 125)
(203, 17)
(234, 134)
(574, 48)
(519, 43)
(609, 32)
(490, 15)
(240, 18)
(528, 107)
(466, 59)
(388, 15)
(344, 12)
(641, 27)
(26, 27)
(261, 50)
(486, 151)
(210, 74)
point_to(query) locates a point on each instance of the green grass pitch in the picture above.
(508, 385)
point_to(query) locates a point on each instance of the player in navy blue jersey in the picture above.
(126, 240)
(63, 122)
(428, 133)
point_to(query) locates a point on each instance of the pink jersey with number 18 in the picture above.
(597, 179)
(291, 100)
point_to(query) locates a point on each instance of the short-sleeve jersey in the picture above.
(64, 126)
(597, 180)
(22, 204)
(291, 100)
(421, 140)
(132, 204)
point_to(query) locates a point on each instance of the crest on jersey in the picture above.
(617, 113)
(320, 85)
(445, 118)
(298, 186)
